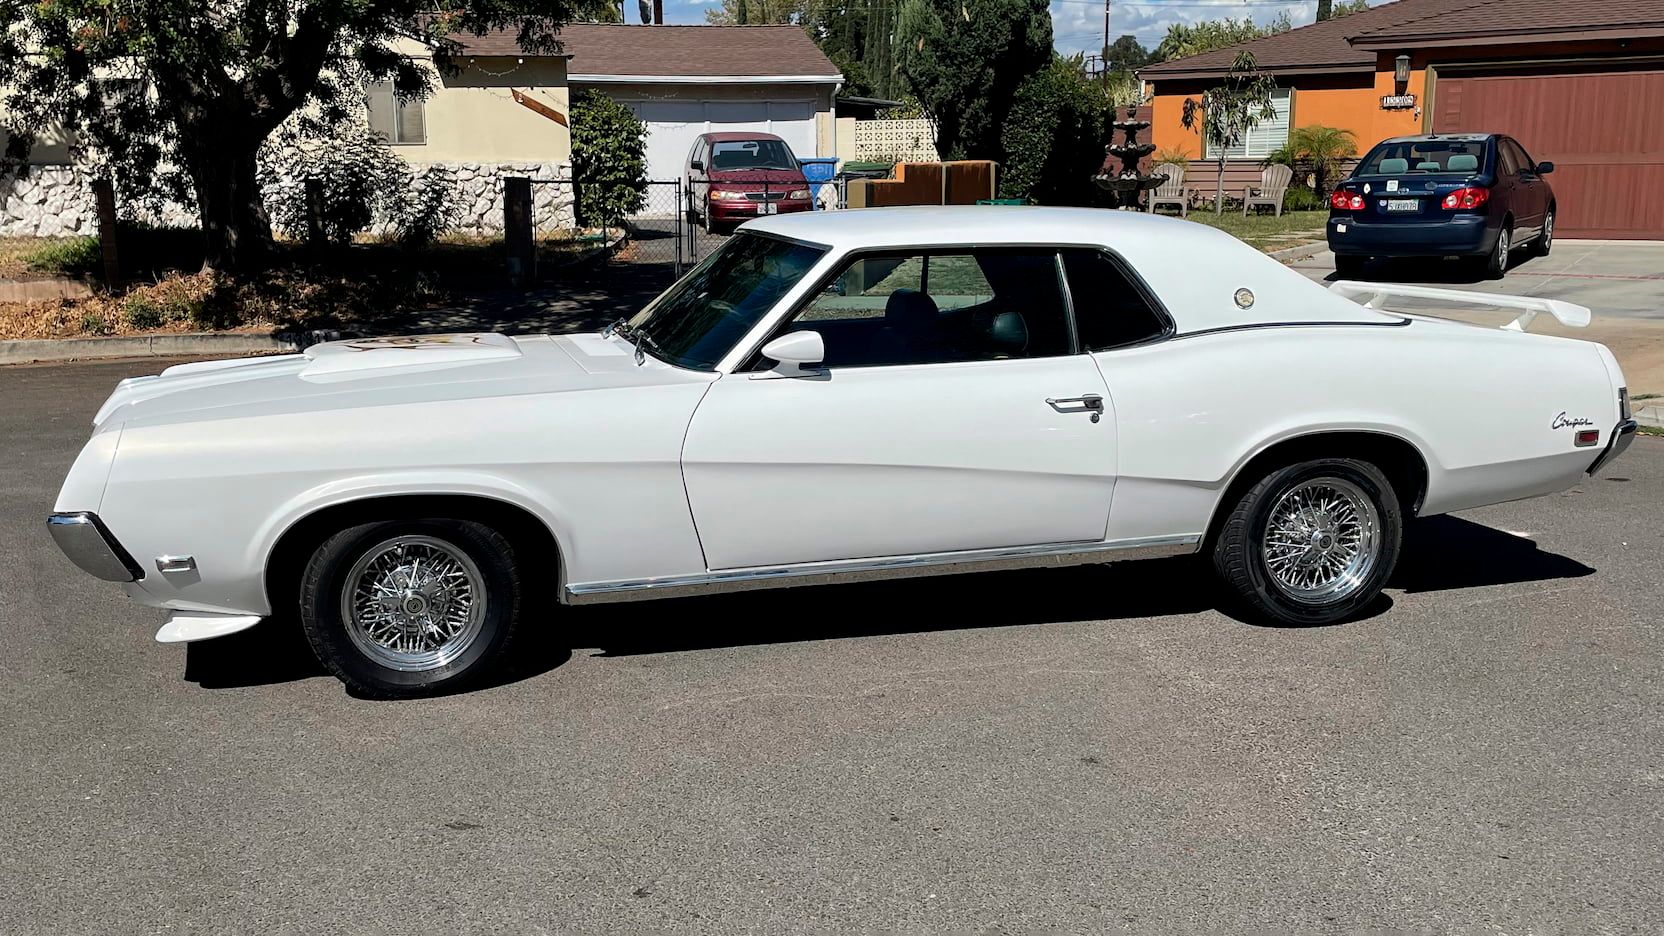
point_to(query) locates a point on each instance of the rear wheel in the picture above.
(1496, 263)
(1311, 543)
(410, 607)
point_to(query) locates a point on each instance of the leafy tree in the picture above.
(755, 12)
(859, 37)
(964, 60)
(1348, 7)
(1325, 10)
(1054, 137)
(1184, 39)
(1126, 54)
(142, 85)
(609, 159)
(1230, 109)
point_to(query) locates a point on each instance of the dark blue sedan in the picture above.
(1477, 195)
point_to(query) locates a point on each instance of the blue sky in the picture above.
(1078, 25)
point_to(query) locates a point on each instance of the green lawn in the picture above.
(1266, 230)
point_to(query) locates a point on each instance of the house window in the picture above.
(1263, 137)
(395, 120)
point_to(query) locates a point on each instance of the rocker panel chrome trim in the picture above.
(892, 567)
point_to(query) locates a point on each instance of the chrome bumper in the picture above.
(88, 543)
(1621, 437)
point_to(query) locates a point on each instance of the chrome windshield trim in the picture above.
(88, 543)
(890, 567)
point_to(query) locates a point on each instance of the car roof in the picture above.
(1457, 137)
(1195, 270)
(728, 136)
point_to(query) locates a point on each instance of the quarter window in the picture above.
(1112, 310)
(938, 307)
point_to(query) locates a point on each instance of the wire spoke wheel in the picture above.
(1322, 540)
(413, 603)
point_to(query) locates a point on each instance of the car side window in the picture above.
(1505, 158)
(1112, 309)
(1521, 157)
(938, 307)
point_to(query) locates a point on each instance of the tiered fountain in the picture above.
(1124, 187)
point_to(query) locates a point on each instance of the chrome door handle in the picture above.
(1091, 402)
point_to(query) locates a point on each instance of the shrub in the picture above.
(67, 257)
(609, 160)
(141, 312)
(1055, 137)
(430, 209)
(95, 323)
(1301, 198)
(1315, 152)
(362, 180)
(1176, 154)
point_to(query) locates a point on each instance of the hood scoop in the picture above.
(343, 359)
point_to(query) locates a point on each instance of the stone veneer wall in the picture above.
(57, 200)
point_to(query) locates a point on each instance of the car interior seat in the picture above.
(1463, 162)
(1394, 166)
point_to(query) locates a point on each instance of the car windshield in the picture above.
(698, 320)
(1424, 156)
(751, 154)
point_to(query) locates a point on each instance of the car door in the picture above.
(953, 412)
(1532, 189)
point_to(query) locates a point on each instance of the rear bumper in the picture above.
(89, 544)
(1622, 436)
(1458, 235)
(737, 211)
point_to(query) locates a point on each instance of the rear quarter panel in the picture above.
(1478, 403)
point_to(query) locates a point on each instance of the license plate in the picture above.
(768, 208)
(1403, 204)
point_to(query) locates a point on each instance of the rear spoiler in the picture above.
(1569, 314)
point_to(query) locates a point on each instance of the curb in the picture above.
(1650, 413)
(24, 351)
(1299, 251)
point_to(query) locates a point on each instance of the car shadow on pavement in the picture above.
(1447, 271)
(1444, 553)
(1151, 588)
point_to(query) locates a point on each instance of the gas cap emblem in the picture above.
(1244, 298)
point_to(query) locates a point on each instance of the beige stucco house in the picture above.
(503, 112)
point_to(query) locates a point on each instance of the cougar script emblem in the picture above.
(1562, 421)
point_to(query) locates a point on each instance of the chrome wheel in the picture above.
(413, 603)
(1322, 540)
(1547, 240)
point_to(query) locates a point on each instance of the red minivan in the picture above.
(736, 175)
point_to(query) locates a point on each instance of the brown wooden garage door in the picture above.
(1601, 128)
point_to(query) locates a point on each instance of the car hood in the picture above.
(386, 371)
(755, 176)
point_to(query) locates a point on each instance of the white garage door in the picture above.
(672, 125)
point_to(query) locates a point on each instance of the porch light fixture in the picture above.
(1401, 70)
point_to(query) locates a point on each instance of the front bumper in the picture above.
(724, 210)
(1622, 436)
(1446, 236)
(89, 544)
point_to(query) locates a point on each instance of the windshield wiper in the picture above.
(643, 341)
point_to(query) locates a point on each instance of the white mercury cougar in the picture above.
(833, 396)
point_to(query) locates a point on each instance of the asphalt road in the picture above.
(1086, 750)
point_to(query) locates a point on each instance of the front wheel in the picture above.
(410, 607)
(1311, 543)
(1545, 240)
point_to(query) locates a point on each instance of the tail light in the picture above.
(1467, 198)
(1623, 403)
(1346, 201)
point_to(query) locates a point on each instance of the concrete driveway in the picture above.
(1086, 750)
(1621, 281)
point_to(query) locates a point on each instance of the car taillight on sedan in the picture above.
(1346, 201)
(1471, 197)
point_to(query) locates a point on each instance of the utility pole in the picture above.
(658, 12)
(1103, 62)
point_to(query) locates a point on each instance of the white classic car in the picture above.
(834, 396)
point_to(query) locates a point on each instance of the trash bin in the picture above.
(819, 170)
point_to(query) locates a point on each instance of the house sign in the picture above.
(1397, 101)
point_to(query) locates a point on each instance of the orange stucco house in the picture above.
(1579, 84)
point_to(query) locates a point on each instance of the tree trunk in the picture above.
(1219, 186)
(236, 232)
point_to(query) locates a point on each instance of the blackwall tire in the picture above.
(1311, 543)
(405, 608)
